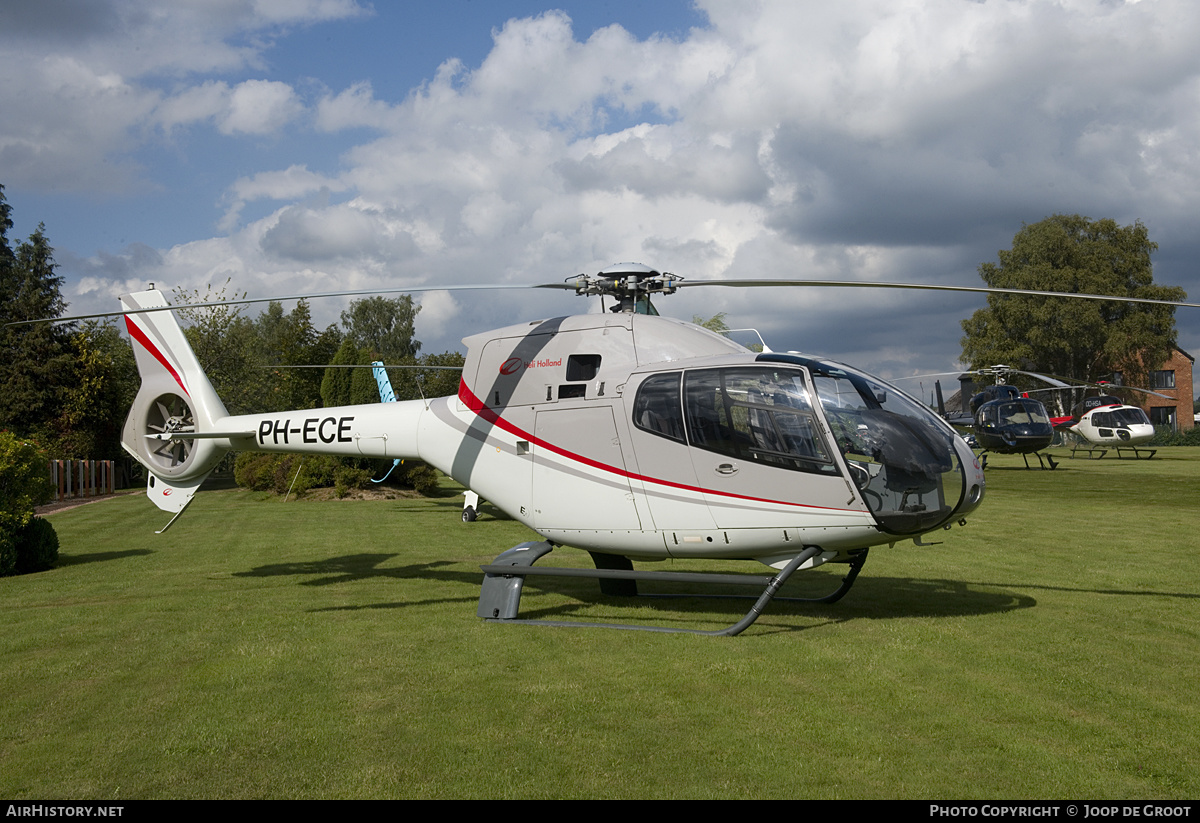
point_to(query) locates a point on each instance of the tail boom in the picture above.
(179, 429)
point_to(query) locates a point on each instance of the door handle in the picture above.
(726, 468)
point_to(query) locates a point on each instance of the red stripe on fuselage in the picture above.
(137, 334)
(491, 416)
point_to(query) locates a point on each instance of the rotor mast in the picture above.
(630, 284)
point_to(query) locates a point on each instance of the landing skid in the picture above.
(1098, 452)
(500, 596)
(1048, 460)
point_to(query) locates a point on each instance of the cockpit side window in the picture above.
(758, 414)
(657, 408)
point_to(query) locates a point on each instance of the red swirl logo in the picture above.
(512, 365)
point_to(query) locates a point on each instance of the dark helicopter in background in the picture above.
(1003, 419)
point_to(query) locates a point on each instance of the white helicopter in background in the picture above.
(1106, 421)
(629, 435)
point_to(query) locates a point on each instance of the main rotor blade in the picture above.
(875, 284)
(572, 286)
(363, 366)
(1051, 380)
(991, 371)
(1106, 387)
(310, 296)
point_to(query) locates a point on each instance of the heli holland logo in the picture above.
(514, 364)
(167, 493)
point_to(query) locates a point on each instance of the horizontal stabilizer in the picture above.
(189, 435)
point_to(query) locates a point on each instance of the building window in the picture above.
(1163, 415)
(1162, 379)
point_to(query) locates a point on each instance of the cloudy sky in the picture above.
(309, 145)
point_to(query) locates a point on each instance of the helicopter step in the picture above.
(500, 595)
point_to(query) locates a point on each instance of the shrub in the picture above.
(8, 547)
(296, 473)
(254, 471)
(24, 484)
(37, 548)
(349, 477)
(1164, 436)
(24, 476)
(422, 477)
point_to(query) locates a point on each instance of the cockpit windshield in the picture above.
(901, 456)
(1130, 416)
(1024, 412)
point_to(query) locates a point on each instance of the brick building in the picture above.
(1174, 379)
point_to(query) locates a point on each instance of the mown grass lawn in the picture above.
(331, 649)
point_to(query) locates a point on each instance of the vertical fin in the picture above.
(175, 399)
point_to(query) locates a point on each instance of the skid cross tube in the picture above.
(500, 596)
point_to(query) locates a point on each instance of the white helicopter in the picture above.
(1105, 421)
(626, 434)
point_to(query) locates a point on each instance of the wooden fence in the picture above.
(82, 478)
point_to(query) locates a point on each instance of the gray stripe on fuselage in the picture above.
(468, 451)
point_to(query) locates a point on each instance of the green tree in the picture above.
(224, 340)
(335, 387)
(715, 323)
(102, 385)
(291, 340)
(383, 327)
(66, 384)
(34, 358)
(1083, 339)
(440, 380)
(364, 388)
(7, 258)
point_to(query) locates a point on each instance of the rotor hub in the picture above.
(629, 283)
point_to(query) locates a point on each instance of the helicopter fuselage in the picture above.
(1005, 422)
(620, 433)
(1013, 427)
(652, 438)
(1113, 424)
